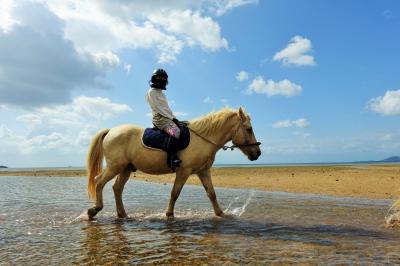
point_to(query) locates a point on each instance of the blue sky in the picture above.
(320, 79)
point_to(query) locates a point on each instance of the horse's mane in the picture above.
(212, 122)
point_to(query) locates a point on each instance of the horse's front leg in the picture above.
(205, 178)
(180, 180)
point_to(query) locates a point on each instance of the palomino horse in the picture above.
(124, 153)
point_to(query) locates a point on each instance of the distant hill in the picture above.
(2, 166)
(392, 159)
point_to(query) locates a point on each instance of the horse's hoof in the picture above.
(123, 216)
(170, 216)
(221, 214)
(92, 212)
(227, 216)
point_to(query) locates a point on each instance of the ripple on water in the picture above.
(44, 221)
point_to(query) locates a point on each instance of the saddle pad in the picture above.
(157, 139)
(154, 138)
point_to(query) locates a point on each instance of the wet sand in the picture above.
(370, 181)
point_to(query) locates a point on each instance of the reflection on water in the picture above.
(40, 224)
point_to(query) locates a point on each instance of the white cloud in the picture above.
(83, 109)
(224, 100)
(166, 26)
(272, 88)
(282, 124)
(76, 42)
(194, 28)
(388, 104)
(67, 127)
(295, 53)
(107, 60)
(180, 114)
(242, 76)
(37, 40)
(6, 19)
(127, 68)
(301, 123)
(220, 7)
(32, 121)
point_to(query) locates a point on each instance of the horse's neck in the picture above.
(224, 134)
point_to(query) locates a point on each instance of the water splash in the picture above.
(82, 217)
(393, 217)
(231, 203)
(238, 211)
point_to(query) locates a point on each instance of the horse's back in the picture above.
(121, 138)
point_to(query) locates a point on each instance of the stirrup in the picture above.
(174, 162)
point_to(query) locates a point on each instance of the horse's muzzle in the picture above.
(254, 155)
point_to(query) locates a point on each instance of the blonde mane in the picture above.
(212, 122)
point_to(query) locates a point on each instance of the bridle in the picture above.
(235, 145)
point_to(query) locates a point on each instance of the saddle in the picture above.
(155, 138)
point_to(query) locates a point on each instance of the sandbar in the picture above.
(377, 181)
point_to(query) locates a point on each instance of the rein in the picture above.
(225, 147)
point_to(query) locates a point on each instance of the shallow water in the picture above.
(40, 223)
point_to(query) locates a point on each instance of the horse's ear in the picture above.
(241, 114)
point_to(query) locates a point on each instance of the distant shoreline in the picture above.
(355, 180)
(244, 165)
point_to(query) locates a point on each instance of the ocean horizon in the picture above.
(217, 165)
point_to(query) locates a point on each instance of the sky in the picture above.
(320, 79)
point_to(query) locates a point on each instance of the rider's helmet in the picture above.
(159, 79)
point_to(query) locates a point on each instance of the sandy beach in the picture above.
(371, 181)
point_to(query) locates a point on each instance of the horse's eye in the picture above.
(250, 130)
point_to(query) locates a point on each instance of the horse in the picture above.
(124, 153)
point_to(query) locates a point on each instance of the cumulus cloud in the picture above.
(49, 48)
(388, 104)
(6, 20)
(82, 110)
(242, 76)
(301, 123)
(166, 26)
(296, 53)
(271, 88)
(67, 127)
(194, 28)
(38, 66)
(63, 45)
(220, 7)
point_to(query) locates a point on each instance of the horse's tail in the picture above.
(94, 164)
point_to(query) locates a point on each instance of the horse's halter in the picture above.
(246, 140)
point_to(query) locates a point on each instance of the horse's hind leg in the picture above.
(101, 180)
(180, 180)
(205, 178)
(118, 187)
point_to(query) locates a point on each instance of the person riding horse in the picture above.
(163, 118)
